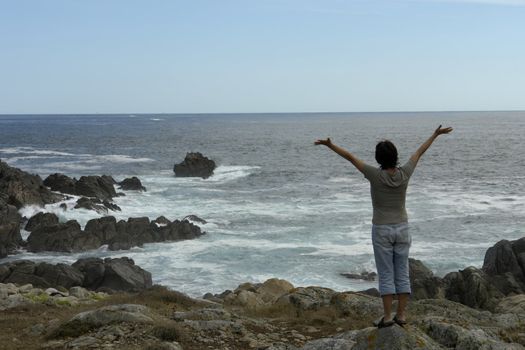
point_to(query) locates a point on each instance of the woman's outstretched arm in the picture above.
(422, 149)
(358, 163)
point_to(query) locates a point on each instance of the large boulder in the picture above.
(101, 187)
(63, 237)
(113, 274)
(41, 220)
(423, 282)
(21, 188)
(471, 287)
(504, 264)
(195, 165)
(42, 275)
(69, 237)
(131, 184)
(100, 206)
(10, 238)
(119, 274)
(61, 183)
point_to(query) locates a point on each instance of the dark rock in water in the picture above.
(109, 179)
(131, 184)
(178, 231)
(65, 237)
(41, 219)
(471, 287)
(61, 183)
(366, 276)
(10, 238)
(195, 218)
(423, 282)
(161, 220)
(138, 231)
(68, 237)
(114, 274)
(100, 206)
(103, 228)
(111, 205)
(92, 273)
(21, 188)
(195, 165)
(101, 187)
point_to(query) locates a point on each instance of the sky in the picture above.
(237, 56)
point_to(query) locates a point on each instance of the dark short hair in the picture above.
(386, 154)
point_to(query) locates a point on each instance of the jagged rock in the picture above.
(41, 219)
(472, 288)
(113, 274)
(161, 221)
(42, 275)
(504, 264)
(307, 298)
(195, 165)
(101, 187)
(61, 183)
(21, 188)
(68, 237)
(131, 184)
(120, 274)
(195, 218)
(10, 238)
(391, 338)
(512, 304)
(373, 292)
(356, 304)
(365, 276)
(63, 237)
(273, 289)
(423, 283)
(453, 336)
(100, 206)
(123, 313)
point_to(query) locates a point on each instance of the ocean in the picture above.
(278, 206)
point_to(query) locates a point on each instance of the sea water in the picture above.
(278, 206)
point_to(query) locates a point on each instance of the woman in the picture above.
(390, 236)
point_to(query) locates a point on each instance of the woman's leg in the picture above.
(401, 305)
(384, 258)
(387, 307)
(401, 269)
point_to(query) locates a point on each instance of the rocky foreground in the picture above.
(111, 304)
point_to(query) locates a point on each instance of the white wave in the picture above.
(224, 173)
(31, 150)
(156, 119)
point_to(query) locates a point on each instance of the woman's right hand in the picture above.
(440, 130)
(326, 142)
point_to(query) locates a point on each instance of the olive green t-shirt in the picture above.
(389, 192)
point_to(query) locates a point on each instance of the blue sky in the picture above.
(199, 56)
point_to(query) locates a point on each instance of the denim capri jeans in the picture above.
(391, 245)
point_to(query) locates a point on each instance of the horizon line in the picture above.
(240, 113)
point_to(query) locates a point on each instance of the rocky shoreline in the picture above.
(18, 189)
(112, 304)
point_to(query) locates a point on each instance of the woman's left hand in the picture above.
(326, 142)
